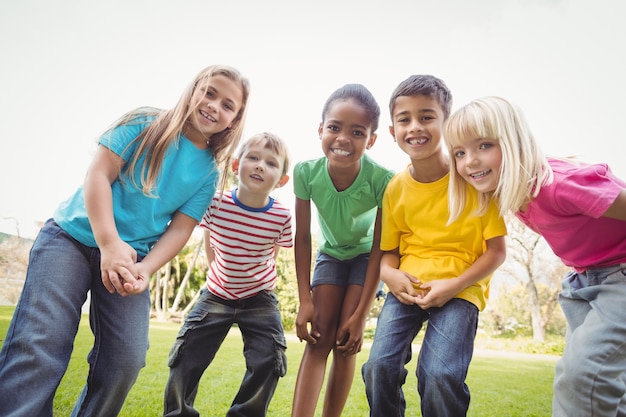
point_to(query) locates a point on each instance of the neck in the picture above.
(430, 170)
(253, 200)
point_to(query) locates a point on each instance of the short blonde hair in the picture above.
(524, 168)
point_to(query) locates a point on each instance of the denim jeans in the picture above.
(41, 335)
(201, 336)
(589, 378)
(442, 363)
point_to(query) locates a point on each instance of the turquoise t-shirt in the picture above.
(187, 182)
(346, 218)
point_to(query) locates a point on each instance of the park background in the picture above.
(70, 68)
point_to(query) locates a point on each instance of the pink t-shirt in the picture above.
(567, 213)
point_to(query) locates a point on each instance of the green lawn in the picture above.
(501, 384)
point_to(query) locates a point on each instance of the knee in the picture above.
(376, 371)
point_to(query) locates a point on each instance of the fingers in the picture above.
(140, 285)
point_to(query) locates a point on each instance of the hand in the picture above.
(350, 336)
(401, 284)
(306, 315)
(438, 292)
(118, 267)
(141, 282)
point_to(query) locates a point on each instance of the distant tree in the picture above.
(534, 266)
(13, 263)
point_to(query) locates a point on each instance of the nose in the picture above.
(416, 126)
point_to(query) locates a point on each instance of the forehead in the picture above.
(348, 111)
(417, 104)
(227, 88)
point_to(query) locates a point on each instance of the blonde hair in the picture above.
(269, 141)
(524, 169)
(167, 127)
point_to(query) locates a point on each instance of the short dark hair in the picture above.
(426, 85)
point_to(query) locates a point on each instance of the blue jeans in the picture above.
(201, 336)
(590, 377)
(442, 364)
(41, 335)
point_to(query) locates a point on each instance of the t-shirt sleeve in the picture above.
(286, 237)
(197, 205)
(301, 182)
(588, 190)
(118, 138)
(493, 224)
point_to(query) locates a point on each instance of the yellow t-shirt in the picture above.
(414, 218)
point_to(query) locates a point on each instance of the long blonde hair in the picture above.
(167, 127)
(524, 168)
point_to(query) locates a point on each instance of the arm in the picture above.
(302, 250)
(353, 328)
(401, 284)
(167, 247)
(617, 210)
(117, 263)
(210, 255)
(439, 292)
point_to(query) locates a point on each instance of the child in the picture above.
(152, 177)
(580, 210)
(244, 229)
(435, 273)
(347, 187)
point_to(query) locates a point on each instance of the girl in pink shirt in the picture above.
(580, 210)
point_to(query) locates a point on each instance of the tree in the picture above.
(533, 265)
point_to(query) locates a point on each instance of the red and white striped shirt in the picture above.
(243, 240)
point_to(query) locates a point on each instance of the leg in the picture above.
(327, 300)
(384, 372)
(39, 341)
(120, 327)
(590, 376)
(264, 349)
(445, 357)
(342, 369)
(198, 341)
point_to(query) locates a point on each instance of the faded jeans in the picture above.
(590, 377)
(201, 336)
(40, 339)
(443, 360)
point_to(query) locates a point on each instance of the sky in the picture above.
(71, 67)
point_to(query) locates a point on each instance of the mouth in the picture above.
(417, 141)
(479, 175)
(207, 116)
(256, 177)
(341, 152)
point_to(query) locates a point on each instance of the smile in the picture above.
(341, 152)
(206, 116)
(481, 174)
(417, 141)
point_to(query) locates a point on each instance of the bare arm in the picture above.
(617, 210)
(118, 259)
(302, 251)
(439, 292)
(166, 248)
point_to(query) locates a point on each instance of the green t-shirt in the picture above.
(346, 218)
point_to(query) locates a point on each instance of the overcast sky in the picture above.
(70, 68)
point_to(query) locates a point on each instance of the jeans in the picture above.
(443, 361)
(590, 377)
(41, 335)
(201, 336)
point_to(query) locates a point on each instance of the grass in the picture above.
(501, 383)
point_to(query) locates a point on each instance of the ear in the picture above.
(393, 132)
(283, 180)
(320, 129)
(235, 166)
(372, 141)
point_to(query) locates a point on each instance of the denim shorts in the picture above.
(332, 271)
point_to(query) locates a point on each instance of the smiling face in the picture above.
(216, 104)
(346, 132)
(417, 123)
(478, 161)
(259, 170)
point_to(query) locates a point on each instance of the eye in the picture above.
(358, 133)
(402, 120)
(228, 106)
(459, 154)
(253, 157)
(485, 145)
(332, 128)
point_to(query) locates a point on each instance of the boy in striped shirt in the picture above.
(244, 229)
